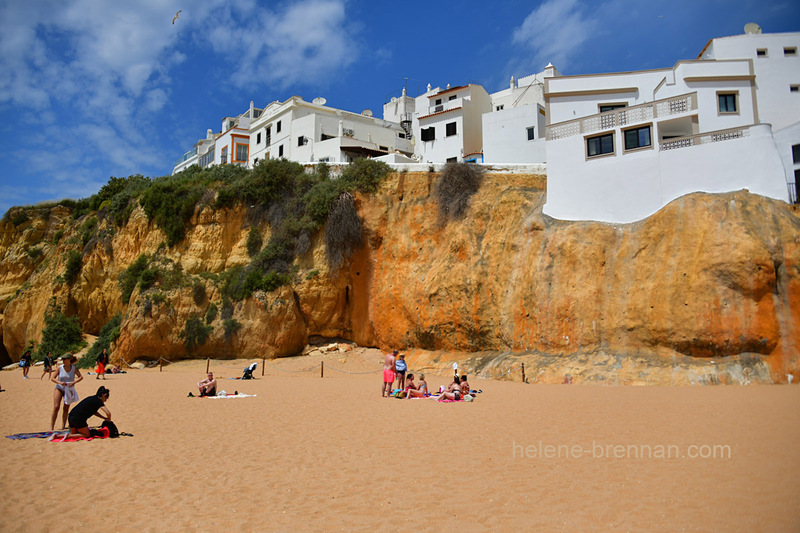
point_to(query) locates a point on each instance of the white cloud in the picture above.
(554, 32)
(305, 43)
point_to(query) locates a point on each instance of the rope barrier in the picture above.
(314, 367)
(354, 373)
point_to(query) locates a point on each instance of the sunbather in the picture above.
(453, 392)
(208, 387)
(420, 390)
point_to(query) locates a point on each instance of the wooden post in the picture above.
(208, 364)
(523, 372)
(161, 364)
(263, 364)
(322, 369)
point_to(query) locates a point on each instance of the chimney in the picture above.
(513, 83)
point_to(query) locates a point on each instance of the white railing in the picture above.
(704, 138)
(625, 116)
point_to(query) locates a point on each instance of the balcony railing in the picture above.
(625, 116)
(704, 138)
(187, 155)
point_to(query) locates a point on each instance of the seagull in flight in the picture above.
(177, 16)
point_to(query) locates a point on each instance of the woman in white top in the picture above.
(65, 379)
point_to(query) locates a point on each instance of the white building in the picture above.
(447, 124)
(233, 144)
(776, 65)
(309, 132)
(621, 146)
(514, 131)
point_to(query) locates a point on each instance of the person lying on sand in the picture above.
(208, 387)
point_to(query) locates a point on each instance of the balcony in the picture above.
(704, 138)
(625, 116)
(188, 155)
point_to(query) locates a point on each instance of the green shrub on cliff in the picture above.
(254, 242)
(108, 334)
(130, 277)
(230, 327)
(195, 333)
(60, 334)
(171, 204)
(73, 267)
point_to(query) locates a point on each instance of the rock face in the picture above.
(709, 276)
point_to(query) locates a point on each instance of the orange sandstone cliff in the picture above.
(709, 279)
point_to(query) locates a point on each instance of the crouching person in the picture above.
(88, 407)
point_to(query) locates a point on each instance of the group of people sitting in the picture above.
(457, 390)
(395, 367)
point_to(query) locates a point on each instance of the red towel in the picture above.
(75, 437)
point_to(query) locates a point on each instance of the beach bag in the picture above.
(22, 364)
(113, 432)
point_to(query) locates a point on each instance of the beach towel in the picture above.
(100, 433)
(224, 396)
(38, 435)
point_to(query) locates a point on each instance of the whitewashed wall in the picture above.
(626, 188)
(505, 136)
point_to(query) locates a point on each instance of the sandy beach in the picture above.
(330, 454)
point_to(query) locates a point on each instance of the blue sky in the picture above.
(97, 88)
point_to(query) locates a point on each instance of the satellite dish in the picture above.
(367, 112)
(319, 100)
(752, 28)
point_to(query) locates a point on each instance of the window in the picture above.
(301, 141)
(438, 101)
(727, 102)
(605, 108)
(268, 139)
(600, 145)
(401, 135)
(280, 151)
(241, 153)
(790, 51)
(499, 107)
(206, 159)
(637, 138)
(324, 137)
(258, 138)
(761, 52)
(450, 129)
(796, 154)
(223, 158)
(452, 160)
(531, 133)
(453, 97)
(278, 127)
(794, 88)
(428, 134)
(384, 148)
